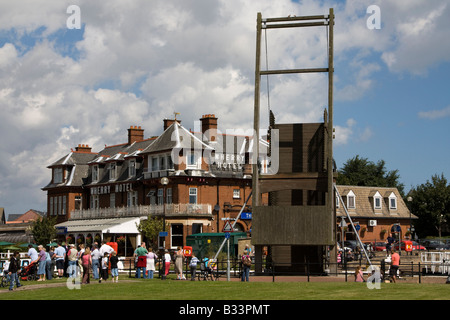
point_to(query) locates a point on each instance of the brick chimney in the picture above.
(135, 134)
(209, 127)
(83, 148)
(168, 122)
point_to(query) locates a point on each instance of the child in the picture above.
(105, 263)
(193, 266)
(114, 268)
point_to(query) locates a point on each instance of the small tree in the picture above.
(151, 228)
(44, 230)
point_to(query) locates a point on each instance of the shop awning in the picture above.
(113, 225)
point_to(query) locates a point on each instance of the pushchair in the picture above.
(29, 272)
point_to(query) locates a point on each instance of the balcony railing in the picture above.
(157, 173)
(170, 210)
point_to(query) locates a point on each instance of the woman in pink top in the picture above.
(359, 275)
(86, 262)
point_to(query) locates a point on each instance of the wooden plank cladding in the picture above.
(301, 147)
(292, 225)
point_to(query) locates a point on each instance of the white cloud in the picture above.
(435, 114)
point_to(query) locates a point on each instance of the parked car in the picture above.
(378, 246)
(418, 246)
(435, 245)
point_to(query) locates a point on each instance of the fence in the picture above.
(344, 271)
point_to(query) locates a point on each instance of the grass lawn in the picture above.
(140, 289)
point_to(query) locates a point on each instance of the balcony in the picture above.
(158, 173)
(171, 210)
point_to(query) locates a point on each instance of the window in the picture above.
(197, 228)
(132, 168)
(377, 203)
(351, 200)
(192, 160)
(132, 198)
(57, 175)
(162, 163)
(95, 173)
(236, 193)
(392, 201)
(112, 171)
(169, 195)
(77, 202)
(160, 197)
(177, 235)
(94, 201)
(51, 206)
(112, 200)
(63, 209)
(154, 164)
(193, 195)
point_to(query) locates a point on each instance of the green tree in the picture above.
(431, 203)
(362, 172)
(150, 228)
(44, 230)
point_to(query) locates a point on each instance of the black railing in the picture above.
(344, 270)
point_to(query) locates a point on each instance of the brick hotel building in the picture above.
(105, 194)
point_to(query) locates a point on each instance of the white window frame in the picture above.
(112, 171)
(169, 196)
(95, 173)
(193, 160)
(95, 204)
(132, 198)
(236, 193)
(154, 164)
(392, 197)
(193, 192)
(351, 195)
(160, 197)
(132, 168)
(64, 202)
(377, 197)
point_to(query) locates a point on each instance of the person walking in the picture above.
(86, 263)
(359, 275)
(14, 266)
(193, 266)
(246, 264)
(395, 264)
(167, 260)
(151, 258)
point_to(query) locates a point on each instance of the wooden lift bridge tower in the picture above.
(298, 226)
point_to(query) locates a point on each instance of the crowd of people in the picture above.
(97, 260)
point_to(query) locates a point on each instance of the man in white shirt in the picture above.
(32, 253)
(96, 258)
(60, 256)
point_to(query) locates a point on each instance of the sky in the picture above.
(136, 62)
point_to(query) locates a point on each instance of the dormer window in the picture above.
(377, 201)
(58, 175)
(351, 201)
(392, 201)
(112, 171)
(132, 168)
(95, 171)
